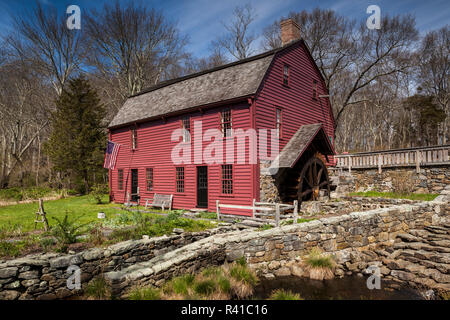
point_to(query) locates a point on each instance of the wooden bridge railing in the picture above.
(411, 157)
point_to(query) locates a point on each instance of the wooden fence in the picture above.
(412, 157)
(262, 212)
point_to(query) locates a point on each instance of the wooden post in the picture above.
(254, 207)
(349, 164)
(218, 210)
(380, 161)
(295, 211)
(277, 214)
(417, 161)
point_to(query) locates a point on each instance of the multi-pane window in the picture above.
(286, 75)
(149, 179)
(180, 179)
(227, 179)
(225, 116)
(315, 89)
(278, 121)
(186, 125)
(120, 179)
(133, 139)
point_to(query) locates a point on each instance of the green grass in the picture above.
(281, 294)
(17, 221)
(225, 282)
(97, 289)
(394, 195)
(317, 259)
(83, 208)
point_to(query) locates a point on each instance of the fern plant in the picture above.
(66, 231)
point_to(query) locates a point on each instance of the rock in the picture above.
(284, 271)
(9, 295)
(269, 276)
(178, 230)
(274, 265)
(8, 272)
(93, 254)
(29, 283)
(297, 270)
(63, 293)
(66, 261)
(29, 275)
(46, 296)
(13, 285)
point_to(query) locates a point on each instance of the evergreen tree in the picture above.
(78, 138)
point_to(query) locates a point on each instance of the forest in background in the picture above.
(388, 87)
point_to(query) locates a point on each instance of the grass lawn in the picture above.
(17, 224)
(84, 208)
(393, 195)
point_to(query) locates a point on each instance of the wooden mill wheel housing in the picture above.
(313, 177)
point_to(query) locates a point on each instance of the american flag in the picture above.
(111, 155)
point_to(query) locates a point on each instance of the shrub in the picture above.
(11, 249)
(98, 191)
(205, 287)
(66, 231)
(281, 294)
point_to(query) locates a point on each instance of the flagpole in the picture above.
(109, 173)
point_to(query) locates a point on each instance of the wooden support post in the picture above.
(254, 207)
(349, 164)
(295, 211)
(417, 161)
(380, 162)
(218, 210)
(277, 214)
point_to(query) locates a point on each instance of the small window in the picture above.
(133, 139)
(186, 125)
(226, 122)
(180, 179)
(286, 75)
(120, 179)
(227, 179)
(149, 179)
(278, 122)
(315, 89)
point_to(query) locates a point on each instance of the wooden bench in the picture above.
(160, 200)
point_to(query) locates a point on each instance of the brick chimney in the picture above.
(290, 31)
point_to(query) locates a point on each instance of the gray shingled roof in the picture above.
(298, 144)
(236, 80)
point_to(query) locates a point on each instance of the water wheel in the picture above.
(313, 177)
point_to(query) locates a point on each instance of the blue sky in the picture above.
(201, 19)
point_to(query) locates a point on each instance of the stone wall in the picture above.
(353, 239)
(428, 180)
(44, 276)
(268, 189)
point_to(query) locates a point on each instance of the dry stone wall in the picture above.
(353, 239)
(428, 180)
(44, 276)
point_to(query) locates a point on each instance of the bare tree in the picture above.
(132, 46)
(43, 40)
(434, 71)
(352, 57)
(238, 40)
(23, 117)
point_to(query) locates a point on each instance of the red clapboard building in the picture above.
(280, 95)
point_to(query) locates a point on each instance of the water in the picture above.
(347, 288)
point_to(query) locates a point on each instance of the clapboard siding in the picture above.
(154, 151)
(296, 101)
